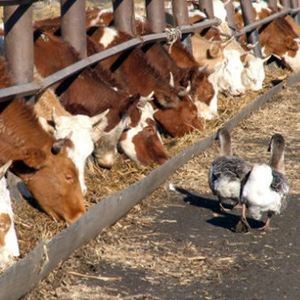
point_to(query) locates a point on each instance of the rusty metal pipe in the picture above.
(181, 17)
(295, 4)
(249, 17)
(285, 3)
(273, 4)
(73, 24)
(124, 16)
(207, 7)
(19, 42)
(230, 14)
(155, 10)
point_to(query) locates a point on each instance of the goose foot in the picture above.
(242, 226)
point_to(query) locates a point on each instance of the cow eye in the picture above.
(69, 178)
(149, 130)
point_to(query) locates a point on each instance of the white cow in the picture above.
(228, 74)
(9, 246)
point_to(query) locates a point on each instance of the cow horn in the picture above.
(58, 146)
(265, 59)
(188, 88)
(172, 82)
(4, 168)
(251, 46)
(98, 118)
(55, 118)
(202, 68)
(183, 93)
(226, 43)
(147, 98)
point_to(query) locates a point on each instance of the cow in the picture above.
(98, 96)
(201, 90)
(38, 158)
(82, 130)
(9, 246)
(252, 67)
(277, 38)
(185, 59)
(143, 127)
(194, 77)
(139, 76)
(253, 73)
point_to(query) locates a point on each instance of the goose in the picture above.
(265, 188)
(226, 171)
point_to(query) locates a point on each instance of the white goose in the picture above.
(226, 171)
(265, 187)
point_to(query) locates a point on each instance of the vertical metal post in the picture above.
(124, 17)
(18, 41)
(206, 6)
(73, 24)
(273, 4)
(155, 10)
(295, 4)
(181, 17)
(249, 17)
(285, 3)
(230, 14)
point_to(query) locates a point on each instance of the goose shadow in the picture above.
(227, 220)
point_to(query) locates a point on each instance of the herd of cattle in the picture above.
(123, 103)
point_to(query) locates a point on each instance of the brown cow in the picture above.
(38, 159)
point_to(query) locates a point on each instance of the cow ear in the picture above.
(245, 59)
(34, 157)
(290, 43)
(214, 50)
(4, 168)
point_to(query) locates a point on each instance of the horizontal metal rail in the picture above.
(263, 21)
(33, 88)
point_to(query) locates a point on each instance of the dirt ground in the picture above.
(177, 245)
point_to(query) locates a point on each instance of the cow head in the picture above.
(180, 120)
(292, 55)
(228, 77)
(141, 141)
(85, 130)
(106, 150)
(253, 74)
(203, 93)
(52, 179)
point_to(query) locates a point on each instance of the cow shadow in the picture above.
(227, 220)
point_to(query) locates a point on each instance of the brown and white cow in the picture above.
(276, 38)
(192, 77)
(136, 72)
(89, 95)
(82, 130)
(9, 246)
(38, 158)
